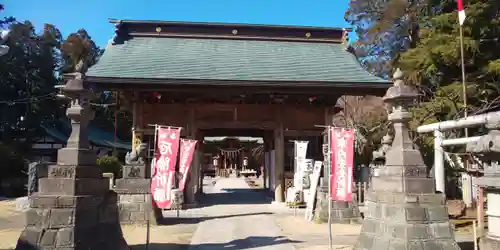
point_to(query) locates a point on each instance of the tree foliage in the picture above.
(28, 74)
(368, 116)
(79, 52)
(423, 38)
(385, 28)
(34, 65)
(434, 64)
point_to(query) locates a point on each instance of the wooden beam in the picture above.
(205, 125)
(225, 87)
(296, 133)
(235, 132)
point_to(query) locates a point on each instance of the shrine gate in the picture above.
(213, 79)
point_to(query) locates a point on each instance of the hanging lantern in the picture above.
(157, 96)
(215, 161)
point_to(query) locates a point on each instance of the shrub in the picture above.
(13, 163)
(13, 169)
(110, 164)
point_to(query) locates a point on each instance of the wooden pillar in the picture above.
(329, 113)
(191, 187)
(134, 125)
(198, 163)
(266, 149)
(279, 160)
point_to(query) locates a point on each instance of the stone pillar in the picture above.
(488, 150)
(134, 191)
(402, 209)
(279, 158)
(74, 208)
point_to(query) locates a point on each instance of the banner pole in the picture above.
(148, 233)
(329, 158)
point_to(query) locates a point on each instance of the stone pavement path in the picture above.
(237, 217)
(232, 216)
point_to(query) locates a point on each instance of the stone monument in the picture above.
(134, 190)
(487, 149)
(402, 209)
(74, 208)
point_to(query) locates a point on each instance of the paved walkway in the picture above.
(237, 217)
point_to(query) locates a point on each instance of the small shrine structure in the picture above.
(214, 79)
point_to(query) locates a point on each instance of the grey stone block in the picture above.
(73, 172)
(342, 212)
(65, 237)
(133, 186)
(134, 208)
(72, 187)
(62, 217)
(488, 243)
(134, 171)
(48, 238)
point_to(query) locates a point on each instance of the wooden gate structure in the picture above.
(216, 79)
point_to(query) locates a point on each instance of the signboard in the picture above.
(312, 195)
(186, 157)
(165, 160)
(300, 154)
(300, 163)
(342, 161)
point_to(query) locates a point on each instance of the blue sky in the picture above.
(92, 15)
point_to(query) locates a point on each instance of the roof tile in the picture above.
(230, 59)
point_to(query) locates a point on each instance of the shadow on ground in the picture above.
(239, 244)
(195, 220)
(241, 196)
(466, 245)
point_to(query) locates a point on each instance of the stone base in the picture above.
(134, 208)
(342, 212)
(135, 204)
(72, 222)
(403, 221)
(489, 243)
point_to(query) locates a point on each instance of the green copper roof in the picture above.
(230, 59)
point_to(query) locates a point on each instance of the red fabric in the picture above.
(164, 168)
(342, 163)
(186, 157)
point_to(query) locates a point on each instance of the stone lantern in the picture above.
(77, 151)
(74, 208)
(402, 210)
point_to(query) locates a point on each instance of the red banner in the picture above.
(186, 156)
(164, 168)
(342, 160)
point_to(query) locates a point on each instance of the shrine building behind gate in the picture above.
(217, 79)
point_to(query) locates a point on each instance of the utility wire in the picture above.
(52, 96)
